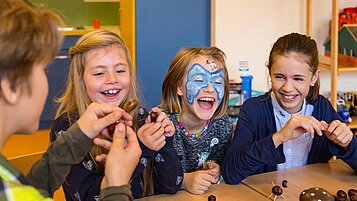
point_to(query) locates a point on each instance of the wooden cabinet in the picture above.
(331, 63)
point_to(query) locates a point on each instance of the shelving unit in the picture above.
(331, 63)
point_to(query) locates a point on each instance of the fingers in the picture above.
(119, 136)
(339, 133)
(309, 123)
(98, 117)
(106, 144)
(152, 136)
(101, 157)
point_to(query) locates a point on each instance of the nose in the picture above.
(209, 88)
(288, 86)
(111, 78)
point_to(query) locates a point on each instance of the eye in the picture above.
(299, 79)
(120, 71)
(98, 74)
(279, 77)
(218, 81)
(198, 78)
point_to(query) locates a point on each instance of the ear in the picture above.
(315, 77)
(179, 91)
(11, 96)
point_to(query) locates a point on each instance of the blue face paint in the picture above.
(199, 78)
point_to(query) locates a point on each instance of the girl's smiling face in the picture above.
(106, 75)
(202, 89)
(291, 79)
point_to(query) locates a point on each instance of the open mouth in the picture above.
(110, 93)
(206, 103)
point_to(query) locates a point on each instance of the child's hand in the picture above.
(152, 135)
(98, 117)
(295, 127)
(338, 132)
(125, 149)
(214, 169)
(197, 182)
(166, 123)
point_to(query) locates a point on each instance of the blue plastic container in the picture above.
(246, 86)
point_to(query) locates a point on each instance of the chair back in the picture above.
(24, 162)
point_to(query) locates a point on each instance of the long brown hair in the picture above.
(175, 76)
(305, 47)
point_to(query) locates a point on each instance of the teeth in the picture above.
(111, 92)
(289, 97)
(207, 99)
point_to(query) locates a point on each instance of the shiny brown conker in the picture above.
(154, 116)
(341, 193)
(284, 183)
(277, 190)
(211, 198)
(352, 192)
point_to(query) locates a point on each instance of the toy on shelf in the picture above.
(347, 16)
(347, 38)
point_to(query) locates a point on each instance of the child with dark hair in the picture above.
(291, 125)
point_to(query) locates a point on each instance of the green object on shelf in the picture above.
(234, 99)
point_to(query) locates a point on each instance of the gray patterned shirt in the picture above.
(211, 146)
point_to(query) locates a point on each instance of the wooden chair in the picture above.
(24, 162)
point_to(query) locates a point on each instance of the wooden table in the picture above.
(222, 192)
(331, 176)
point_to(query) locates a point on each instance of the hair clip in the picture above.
(211, 64)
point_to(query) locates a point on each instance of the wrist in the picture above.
(277, 139)
(184, 182)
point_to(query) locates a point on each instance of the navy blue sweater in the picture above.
(252, 149)
(83, 181)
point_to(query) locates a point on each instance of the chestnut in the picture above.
(277, 190)
(130, 105)
(353, 197)
(211, 198)
(352, 192)
(284, 183)
(341, 193)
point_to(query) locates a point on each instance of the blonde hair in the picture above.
(75, 100)
(28, 35)
(175, 76)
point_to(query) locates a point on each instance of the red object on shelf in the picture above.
(96, 23)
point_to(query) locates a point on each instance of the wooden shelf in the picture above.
(325, 63)
(353, 124)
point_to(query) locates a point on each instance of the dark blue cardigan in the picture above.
(252, 150)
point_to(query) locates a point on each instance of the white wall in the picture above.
(246, 30)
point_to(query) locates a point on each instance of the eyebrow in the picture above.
(103, 66)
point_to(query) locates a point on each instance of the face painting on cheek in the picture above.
(199, 78)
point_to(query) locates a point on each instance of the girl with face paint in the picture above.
(291, 125)
(195, 98)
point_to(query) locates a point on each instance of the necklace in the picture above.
(191, 135)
